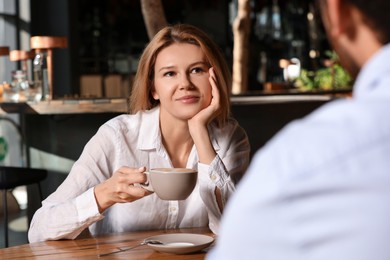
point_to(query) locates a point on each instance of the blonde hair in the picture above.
(141, 95)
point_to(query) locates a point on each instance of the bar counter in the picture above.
(120, 105)
(67, 106)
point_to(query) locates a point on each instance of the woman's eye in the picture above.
(169, 74)
(197, 70)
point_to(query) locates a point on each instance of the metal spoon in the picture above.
(145, 242)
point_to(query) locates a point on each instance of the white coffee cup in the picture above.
(171, 183)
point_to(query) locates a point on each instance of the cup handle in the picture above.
(147, 185)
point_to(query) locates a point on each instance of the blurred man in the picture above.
(321, 188)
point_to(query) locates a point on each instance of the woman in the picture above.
(179, 118)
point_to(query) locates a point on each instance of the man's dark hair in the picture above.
(377, 16)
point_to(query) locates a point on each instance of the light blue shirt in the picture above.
(321, 188)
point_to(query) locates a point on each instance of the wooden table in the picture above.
(66, 106)
(90, 248)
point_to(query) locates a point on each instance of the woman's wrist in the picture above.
(101, 198)
(204, 147)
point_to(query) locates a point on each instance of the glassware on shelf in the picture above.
(10, 92)
(20, 78)
(20, 90)
(276, 19)
(41, 78)
(43, 62)
(291, 69)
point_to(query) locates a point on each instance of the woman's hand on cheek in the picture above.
(120, 188)
(206, 115)
(198, 124)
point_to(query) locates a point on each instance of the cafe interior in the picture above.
(91, 48)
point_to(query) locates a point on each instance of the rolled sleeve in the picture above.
(215, 172)
(87, 207)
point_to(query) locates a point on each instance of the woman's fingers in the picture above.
(130, 176)
(121, 187)
(214, 90)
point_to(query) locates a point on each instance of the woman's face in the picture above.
(181, 81)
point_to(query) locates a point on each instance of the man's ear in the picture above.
(339, 17)
(333, 16)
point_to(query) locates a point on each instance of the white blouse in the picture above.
(135, 141)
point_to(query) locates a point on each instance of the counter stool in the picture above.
(4, 50)
(47, 44)
(12, 177)
(22, 56)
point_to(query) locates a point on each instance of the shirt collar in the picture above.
(373, 72)
(149, 135)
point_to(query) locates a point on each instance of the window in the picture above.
(15, 32)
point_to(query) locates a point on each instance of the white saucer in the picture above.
(181, 243)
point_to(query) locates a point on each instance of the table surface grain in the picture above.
(92, 247)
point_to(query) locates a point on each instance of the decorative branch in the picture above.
(241, 31)
(154, 16)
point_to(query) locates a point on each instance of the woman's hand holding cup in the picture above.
(122, 187)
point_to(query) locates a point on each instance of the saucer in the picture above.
(181, 243)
